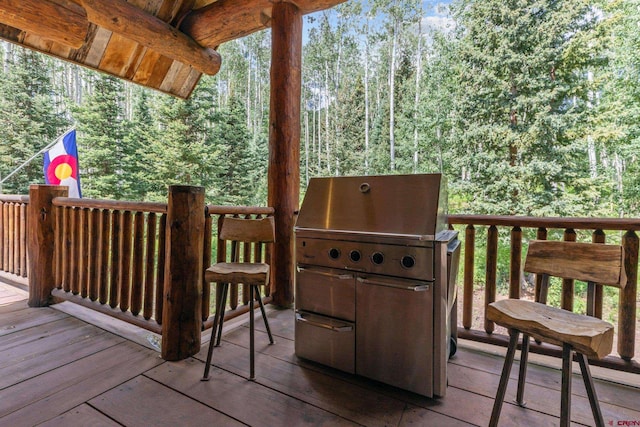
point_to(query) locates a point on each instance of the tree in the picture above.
(521, 96)
(238, 164)
(29, 116)
(183, 152)
(101, 152)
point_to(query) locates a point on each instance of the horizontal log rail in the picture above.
(520, 229)
(109, 256)
(216, 250)
(13, 234)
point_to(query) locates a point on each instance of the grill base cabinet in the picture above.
(375, 283)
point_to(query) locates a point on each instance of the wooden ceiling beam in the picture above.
(134, 23)
(226, 20)
(60, 21)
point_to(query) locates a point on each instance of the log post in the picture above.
(627, 298)
(182, 308)
(490, 275)
(469, 269)
(41, 242)
(284, 143)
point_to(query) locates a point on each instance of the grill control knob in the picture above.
(334, 253)
(377, 258)
(408, 261)
(355, 255)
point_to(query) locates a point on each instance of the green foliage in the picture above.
(102, 154)
(29, 117)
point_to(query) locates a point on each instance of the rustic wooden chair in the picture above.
(253, 275)
(587, 336)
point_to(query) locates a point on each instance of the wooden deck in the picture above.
(58, 370)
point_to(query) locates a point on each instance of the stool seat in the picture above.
(588, 335)
(238, 272)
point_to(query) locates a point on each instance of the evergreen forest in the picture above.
(529, 107)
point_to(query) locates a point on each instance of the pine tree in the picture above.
(101, 152)
(238, 167)
(521, 95)
(29, 116)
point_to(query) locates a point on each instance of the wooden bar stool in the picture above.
(253, 275)
(587, 336)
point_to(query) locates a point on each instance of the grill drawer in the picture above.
(325, 340)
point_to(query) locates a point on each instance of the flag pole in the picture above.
(16, 170)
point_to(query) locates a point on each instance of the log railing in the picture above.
(109, 256)
(139, 262)
(216, 250)
(511, 233)
(13, 234)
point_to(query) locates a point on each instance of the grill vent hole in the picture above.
(355, 256)
(408, 261)
(377, 258)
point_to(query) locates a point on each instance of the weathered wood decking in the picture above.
(57, 370)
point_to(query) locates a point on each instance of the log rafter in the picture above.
(226, 20)
(125, 19)
(61, 21)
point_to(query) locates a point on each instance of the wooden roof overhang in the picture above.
(161, 44)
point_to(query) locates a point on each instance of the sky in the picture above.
(435, 17)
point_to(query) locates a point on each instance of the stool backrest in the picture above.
(248, 230)
(590, 262)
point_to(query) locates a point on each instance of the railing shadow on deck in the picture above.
(520, 230)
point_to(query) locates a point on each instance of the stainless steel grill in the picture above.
(375, 284)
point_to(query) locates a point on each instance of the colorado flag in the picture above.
(61, 164)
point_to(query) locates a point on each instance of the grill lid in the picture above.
(412, 206)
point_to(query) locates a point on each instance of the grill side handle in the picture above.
(415, 288)
(325, 273)
(334, 328)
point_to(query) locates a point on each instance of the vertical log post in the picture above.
(469, 258)
(516, 262)
(568, 285)
(541, 234)
(490, 275)
(182, 309)
(41, 242)
(627, 306)
(284, 142)
(598, 236)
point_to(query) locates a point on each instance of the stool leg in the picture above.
(217, 319)
(565, 398)
(223, 305)
(591, 391)
(264, 314)
(504, 378)
(252, 373)
(522, 376)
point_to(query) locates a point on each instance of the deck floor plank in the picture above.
(144, 399)
(83, 415)
(34, 351)
(246, 401)
(315, 388)
(539, 376)
(58, 370)
(25, 318)
(55, 392)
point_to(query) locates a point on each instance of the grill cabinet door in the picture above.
(394, 337)
(326, 291)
